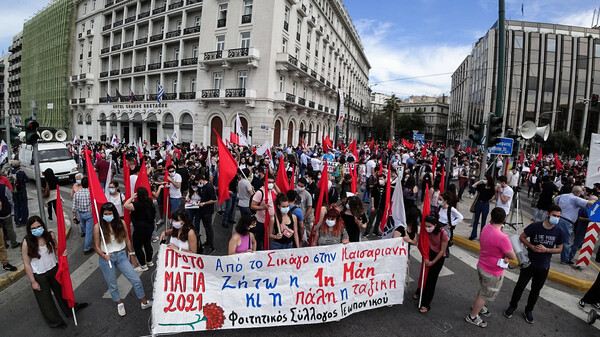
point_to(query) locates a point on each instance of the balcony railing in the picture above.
(153, 66)
(293, 60)
(246, 18)
(313, 73)
(74, 78)
(169, 97)
(304, 67)
(322, 79)
(286, 26)
(104, 74)
(80, 35)
(138, 97)
(152, 97)
(128, 44)
(189, 62)
(130, 19)
(114, 72)
(187, 95)
(156, 37)
(101, 100)
(301, 101)
(213, 55)
(139, 68)
(191, 30)
(320, 107)
(82, 76)
(311, 104)
(73, 100)
(171, 64)
(221, 23)
(159, 10)
(238, 92)
(191, 2)
(141, 41)
(82, 100)
(115, 47)
(109, 3)
(143, 15)
(117, 23)
(237, 52)
(174, 33)
(126, 71)
(290, 98)
(211, 93)
(176, 5)
(106, 27)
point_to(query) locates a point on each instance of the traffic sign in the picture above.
(418, 136)
(594, 212)
(504, 147)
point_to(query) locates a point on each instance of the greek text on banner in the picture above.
(271, 288)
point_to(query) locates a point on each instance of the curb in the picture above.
(16, 275)
(564, 279)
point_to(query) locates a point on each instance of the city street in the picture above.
(556, 313)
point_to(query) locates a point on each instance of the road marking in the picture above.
(84, 271)
(123, 283)
(417, 255)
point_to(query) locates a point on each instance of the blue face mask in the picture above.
(78, 181)
(111, 190)
(108, 218)
(38, 231)
(201, 185)
(284, 210)
(440, 203)
(484, 182)
(553, 220)
(194, 189)
(330, 223)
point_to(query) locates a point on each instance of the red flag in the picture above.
(126, 215)
(443, 181)
(227, 169)
(531, 169)
(325, 145)
(323, 189)
(352, 147)
(303, 143)
(235, 139)
(166, 193)
(97, 195)
(557, 162)
(292, 182)
(267, 242)
(372, 144)
(386, 212)
(540, 157)
(578, 158)
(62, 274)
(354, 178)
(434, 166)
(521, 158)
(142, 180)
(389, 144)
(282, 180)
(424, 151)
(341, 146)
(424, 240)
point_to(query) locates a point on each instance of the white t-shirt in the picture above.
(507, 191)
(175, 192)
(515, 179)
(316, 164)
(370, 167)
(405, 157)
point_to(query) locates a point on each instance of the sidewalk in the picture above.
(580, 279)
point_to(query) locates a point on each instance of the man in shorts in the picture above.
(495, 247)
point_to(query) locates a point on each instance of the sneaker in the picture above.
(146, 305)
(150, 264)
(528, 317)
(581, 304)
(141, 268)
(364, 236)
(155, 239)
(121, 309)
(570, 263)
(9, 267)
(509, 312)
(476, 321)
(485, 312)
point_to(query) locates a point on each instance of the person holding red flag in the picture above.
(438, 242)
(40, 260)
(208, 198)
(261, 203)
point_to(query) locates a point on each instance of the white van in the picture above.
(54, 155)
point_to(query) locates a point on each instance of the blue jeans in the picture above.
(276, 245)
(120, 261)
(482, 209)
(87, 221)
(195, 216)
(21, 208)
(229, 209)
(578, 238)
(567, 229)
(175, 202)
(542, 214)
(244, 210)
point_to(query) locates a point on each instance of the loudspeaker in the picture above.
(46, 135)
(50, 134)
(529, 130)
(543, 132)
(60, 135)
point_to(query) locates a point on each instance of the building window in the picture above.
(160, 57)
(176, 54)
(294, 87)
(281, 83)
(597, 50)
(174, 86)
(247, 7)
(83, 28)
(297, 52)
(551, 45)
(197, 19)
(217, 80)
(92, 24)
(222, 21)
(79, 92)
(84, 8)
(518, 42)
(286, 18)
(93, 4)
(178, 25)
(89, 68)
(89, 92)
(193, 84)
(245, 36)
(195, 51)
(284, 45)
(242, 78)
(221, 42)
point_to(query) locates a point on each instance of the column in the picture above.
(130, 137)
(119, 133)
(108, 131)
(145, 134)
(179, 83)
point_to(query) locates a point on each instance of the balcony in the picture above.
(327, 110)
(320, 30)
(169, 97)
(320, 107)
(286, 26)
(130, 19)
(143, 15)
(187, 95)
(246, 18)
(229, 95)
(152, 97)
(74, 78)
(176, 5)
(221, 23)
(290, 98)
(311, 104)
(80, 36)
(141, 41)
(109, 3)
(174, 33)
(81, 100)
(125, 71)
(313, 73)
(137, 69)
(171, 64)
(302, 10)
(73, 100)
(189, 61)
(312, 22)
(104, 50)
(213, 55)
(127, 44)
(137, 98)
(115, 47)
(302, 101)
(104, 74)
(210, 93)
(322, 79)
(106, 27)
(153, 66)
(191, 30)
(326, 38)
(159, 10)
(117, 23)
(304, 67)
(192, 2)
(114, 72)
(156, 37)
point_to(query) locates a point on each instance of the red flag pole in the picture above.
(126, 215)
(94, 178)
(267, 243)
(62, 274)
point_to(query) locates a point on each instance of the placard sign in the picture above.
(273, 288)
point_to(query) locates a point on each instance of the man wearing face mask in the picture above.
(174, 188)
(545, 239)
(208, 198)
(258, 204)
(305, 202)
(378, 198)
(82, 210)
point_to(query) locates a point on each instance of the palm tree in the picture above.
(391, 107)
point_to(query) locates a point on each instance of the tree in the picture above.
(380, 125)
(408, 122)
(391, 107)
(563, 143)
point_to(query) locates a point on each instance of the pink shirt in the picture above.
(494, 244)
(435, 241)
(260, 215)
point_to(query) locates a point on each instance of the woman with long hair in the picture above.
(354, 218)
(243, 240)
(142, 218)
(117, 250)
(333, 232)
(49, 183)
(41, 264)
(194, 197)
(183, 236)
(485, 188)
(284, 226)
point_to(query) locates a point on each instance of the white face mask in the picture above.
(330, 223)
(177, 224)
(382, 182)
(429, 229)
(270, 185)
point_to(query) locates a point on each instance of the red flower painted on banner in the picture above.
(214, 316)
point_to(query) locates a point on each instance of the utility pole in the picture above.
(36, 166)
(360, 127)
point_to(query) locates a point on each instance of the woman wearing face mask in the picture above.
(448, 215)
(283, 226)
(243, 240)
(438, 242)
(485, 188)
(116, 197)
(41, 264)
(333, 231)
(410, 192)
(354, 218)
(117, 250)
(193, 199)
(183, 236)
(142, 218)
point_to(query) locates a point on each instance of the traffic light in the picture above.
(14, 135)
(250, 132)
(594, 99)
(477, 135)
(31, 135)
(516, 149)
(494, 131)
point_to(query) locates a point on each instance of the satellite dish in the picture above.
(47, 135)
(60, 135)
(527, 130)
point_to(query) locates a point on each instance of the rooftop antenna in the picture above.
(598, 17)
(593, 18)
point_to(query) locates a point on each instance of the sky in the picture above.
(413, 46)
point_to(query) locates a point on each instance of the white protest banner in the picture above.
(593, 169)
(340, 120)
(273, 288)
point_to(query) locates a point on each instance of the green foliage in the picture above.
(380, 126)
(563, 143)
(407, 122)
